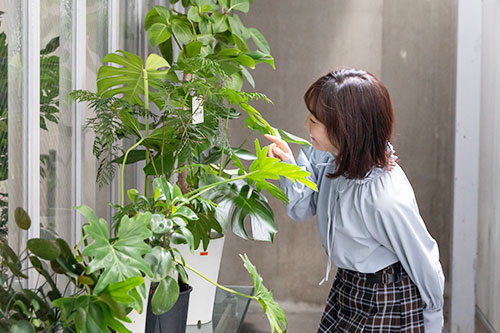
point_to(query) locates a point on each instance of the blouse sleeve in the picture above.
(302, 204)
(399, 227)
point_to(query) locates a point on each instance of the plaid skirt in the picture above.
(357, 305)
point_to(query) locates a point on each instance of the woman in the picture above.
(389, 277)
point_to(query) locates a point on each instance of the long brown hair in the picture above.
(356, 110)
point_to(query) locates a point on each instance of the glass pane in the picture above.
(97, 48)
(11, 117)
(55, 119)
(4, 125)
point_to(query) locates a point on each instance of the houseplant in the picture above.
(104, 287)
(176, 110)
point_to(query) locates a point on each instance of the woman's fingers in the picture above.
(279, 143)
(280, 154)
(270, 152)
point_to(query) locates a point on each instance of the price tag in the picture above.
(197, 108)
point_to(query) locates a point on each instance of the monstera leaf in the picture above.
(274, 312)
(121, 258)
(239, 201)
(129, 79)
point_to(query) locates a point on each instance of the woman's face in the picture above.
(318, 134)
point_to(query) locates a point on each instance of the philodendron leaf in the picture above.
(22, 218)
(165, 296)
(43, 248)
(272, 168)
(122, 258)
(274, 312)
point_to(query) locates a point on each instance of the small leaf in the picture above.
(82, 279)
(259, 40)
(165, 296)
(133, 194)
(193, 14)
(22, 218)
(241, 5)
(161, 263)
(158, 33)
(161, 225)
(43, 248)
(187, 213)
(220, 23)
(183, 32)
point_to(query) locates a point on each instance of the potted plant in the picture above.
(177, 111)
(103, 274)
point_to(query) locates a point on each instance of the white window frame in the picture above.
(466, 172)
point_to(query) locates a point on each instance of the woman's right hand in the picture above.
(278, 149)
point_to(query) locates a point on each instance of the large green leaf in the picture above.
(272, 168)
(128, 78)
(43, 248)
(274, 312)
(165, 296)
(121, 258)
(239, 202)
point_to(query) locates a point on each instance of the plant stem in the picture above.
(213, 282)
(146, 105)
(206, 188)
(123, 171)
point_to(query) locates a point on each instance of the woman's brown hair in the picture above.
(356, 110)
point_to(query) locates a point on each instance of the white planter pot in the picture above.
(138, 324)
(201, 302)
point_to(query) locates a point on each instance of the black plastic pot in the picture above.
(173, 321)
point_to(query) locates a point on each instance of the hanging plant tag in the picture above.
(197, 108)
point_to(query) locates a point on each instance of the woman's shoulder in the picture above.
(386, 189)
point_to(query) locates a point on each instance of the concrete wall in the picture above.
(410, 46)
(488, 257)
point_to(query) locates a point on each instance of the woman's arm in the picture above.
(396, 223)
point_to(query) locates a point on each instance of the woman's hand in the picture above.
(278, 149)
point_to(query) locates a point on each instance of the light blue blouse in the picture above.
(368, 224)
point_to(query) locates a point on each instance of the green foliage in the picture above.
(100, 312)
(273, 310)
(121, 258)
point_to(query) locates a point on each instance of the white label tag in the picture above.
(197, 108)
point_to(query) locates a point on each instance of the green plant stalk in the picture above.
(123, 171)
(146, 106)
(215, 283)
(204, 189)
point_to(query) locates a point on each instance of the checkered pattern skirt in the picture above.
(357, 305)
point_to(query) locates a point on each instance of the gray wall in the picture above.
(488, 270)
(411, 47)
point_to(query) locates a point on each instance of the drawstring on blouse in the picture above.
(331, 205)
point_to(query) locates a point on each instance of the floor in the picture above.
(302, 318)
